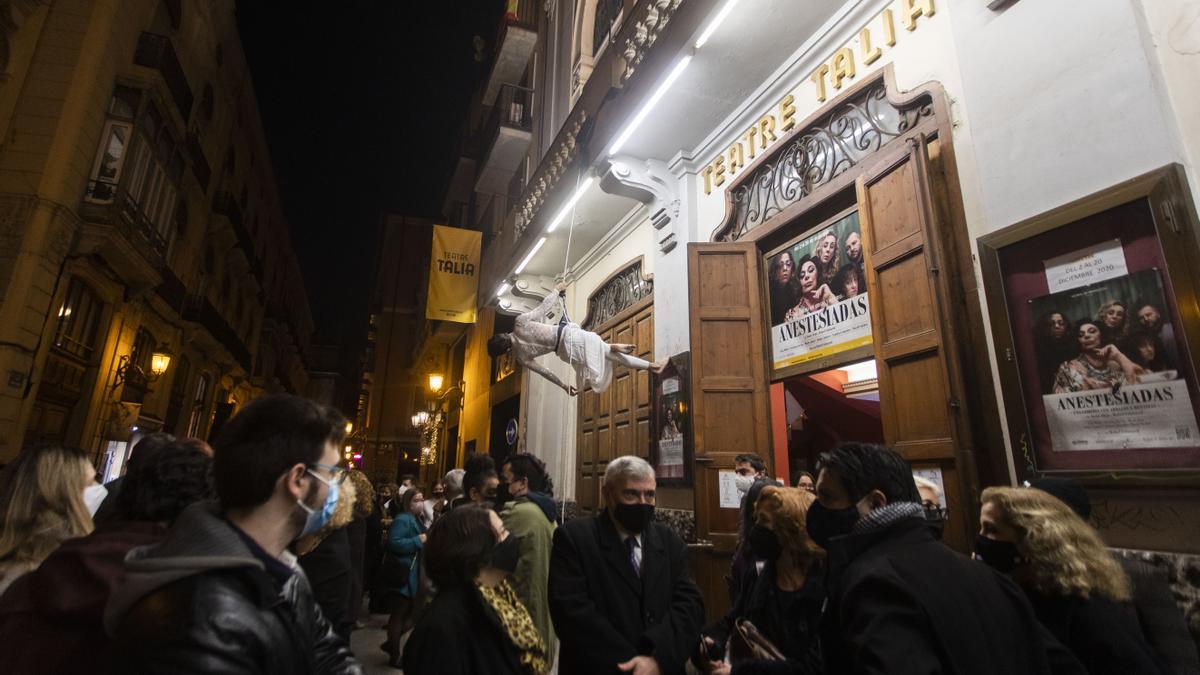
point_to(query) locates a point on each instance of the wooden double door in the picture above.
(910, 264)
(616, 422)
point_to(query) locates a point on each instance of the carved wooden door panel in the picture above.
(731, 411)
(617, 421)
(920, 379)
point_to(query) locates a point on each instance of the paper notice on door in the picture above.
(727, 481)
(1102, 261)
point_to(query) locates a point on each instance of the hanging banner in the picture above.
(453, 274)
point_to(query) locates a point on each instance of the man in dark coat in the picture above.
(902, 602)
(620, 594)
(221, 593)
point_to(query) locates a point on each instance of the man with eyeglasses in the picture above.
(222, 593)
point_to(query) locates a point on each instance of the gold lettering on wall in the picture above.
(843, 66)
(914, 9)
(839, 70)
(787, 113)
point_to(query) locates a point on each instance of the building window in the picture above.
(78, 321)
(143, 349)
(607, 12)
(140, 165)
(199, 414)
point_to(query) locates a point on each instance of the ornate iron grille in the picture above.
(620, 293)
(823, 151)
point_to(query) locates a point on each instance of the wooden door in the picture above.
(617, 421)
(731, 412)
(920, 379)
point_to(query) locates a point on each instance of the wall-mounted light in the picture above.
(160, 360)
(349, 427)
(420, 418)
(435, 382)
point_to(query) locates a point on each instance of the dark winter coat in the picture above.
(605, 614)
(356, 531)
(791, 621)
(1102, 634)
(330, 573)
(202, 602)
(55, 614)
(459, 634)
(1160, 618)
(902, 602)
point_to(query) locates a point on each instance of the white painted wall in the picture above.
(1050, 101)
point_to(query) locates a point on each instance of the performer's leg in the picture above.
(627, 360)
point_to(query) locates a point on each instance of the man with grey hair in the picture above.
(620, 594)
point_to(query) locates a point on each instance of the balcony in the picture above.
(156, 51)
(507, 133)
(121, 233)
(515, 41)
(197, 308)
(225, 205)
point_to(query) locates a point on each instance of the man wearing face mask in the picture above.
(620, 594)
(900, 601)
(221, 593)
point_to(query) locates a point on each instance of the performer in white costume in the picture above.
(587, 352)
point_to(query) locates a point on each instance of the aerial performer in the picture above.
(588, 353)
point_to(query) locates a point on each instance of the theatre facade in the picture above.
(964, 231)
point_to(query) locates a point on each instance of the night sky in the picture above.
(362, 101)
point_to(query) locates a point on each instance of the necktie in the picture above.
(631, 544)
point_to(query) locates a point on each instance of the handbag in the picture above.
(748, 644)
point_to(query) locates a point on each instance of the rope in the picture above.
(567, 255)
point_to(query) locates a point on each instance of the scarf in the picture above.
(515, 620)
(881, 518)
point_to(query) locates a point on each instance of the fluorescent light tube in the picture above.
(641, 115)
(503, 289)
(536, 247)
(712, 26)
(566, 209)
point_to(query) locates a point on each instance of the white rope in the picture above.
(571, 229)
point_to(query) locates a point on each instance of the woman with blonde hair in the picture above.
(781, 606)
(1076, 588)
(44, 497)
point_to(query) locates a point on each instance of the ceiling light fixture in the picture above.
(649, 105)
(503, 289)
(566, 209)
(529, 256)
(712, 26)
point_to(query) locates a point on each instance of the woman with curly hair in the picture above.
(1076, 588)
(1099, 364)
(827, 256)
(325, 557)
(785, 286)
(42, 504)
(1114, 317)
(783, 602)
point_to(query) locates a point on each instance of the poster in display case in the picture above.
(671, 450)
(1095, 353)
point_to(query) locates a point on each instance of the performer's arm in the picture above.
(537, 314)
(548, 374)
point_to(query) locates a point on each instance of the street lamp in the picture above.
(435, 382)
(420, 418)
(349, 427)
(160, 360)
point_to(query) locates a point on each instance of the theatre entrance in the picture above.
(876, 218)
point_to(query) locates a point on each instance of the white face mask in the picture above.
(93, 496)
(743, 484)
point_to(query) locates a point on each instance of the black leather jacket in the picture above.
(200, 602)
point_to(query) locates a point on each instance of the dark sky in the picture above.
(362, 101)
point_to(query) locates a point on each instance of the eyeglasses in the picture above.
(337, 475)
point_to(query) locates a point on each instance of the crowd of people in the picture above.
(254, 556)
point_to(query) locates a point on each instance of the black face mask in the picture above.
(634, 517)
(1001, 556)
(502, 497)
(764, 543)
(506, 554)
(824, 524)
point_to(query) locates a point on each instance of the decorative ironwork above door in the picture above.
(618, 293)
(855, 127)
